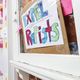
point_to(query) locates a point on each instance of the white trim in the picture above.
(11, 70)
(58, 62)
(69, 64)
(76, 9)
(44, 73)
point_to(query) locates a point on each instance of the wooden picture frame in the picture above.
(55, 49)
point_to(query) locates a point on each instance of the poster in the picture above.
(41, 25)
(3, 24)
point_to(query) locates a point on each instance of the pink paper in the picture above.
(67, 7)
(19, 28)
(1, 43)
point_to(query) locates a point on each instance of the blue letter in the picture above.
(45, 36)
(25, 21)
(41, 9)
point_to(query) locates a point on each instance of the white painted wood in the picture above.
(43, 73)
(4, 51)
(66, 64)
(11, 71)
(76, 8)
(4, 61)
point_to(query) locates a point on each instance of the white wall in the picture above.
(11, 71)
(4, 61)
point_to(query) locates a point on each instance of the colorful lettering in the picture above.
(32, 15)
(28, 18)
(29, 40)
(24, 21)
(43, 13)
(48, 29)
(44, 40)
(35, 14)
(33, 38)
(47, 33)
(39, 33)
(56, 31)
(41, 26)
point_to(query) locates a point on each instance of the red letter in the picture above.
(28, 18)
(29, 40)
(49, 29)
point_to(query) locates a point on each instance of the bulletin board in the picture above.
(58, 47)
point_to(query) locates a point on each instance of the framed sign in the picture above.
(42, 27)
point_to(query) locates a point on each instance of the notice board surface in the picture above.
(59, 44)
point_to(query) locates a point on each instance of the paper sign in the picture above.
(41, 25)
(67, 7)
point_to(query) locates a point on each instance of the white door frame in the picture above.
(65, 64)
